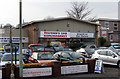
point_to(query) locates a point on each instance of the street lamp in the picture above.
(20, 53)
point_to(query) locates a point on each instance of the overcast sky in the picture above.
(39, 9)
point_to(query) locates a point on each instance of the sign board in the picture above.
(54, 34)
(34, 72)
(74, 69)
(14, 39)
(104, 33)
(98, 66)
(81, 35)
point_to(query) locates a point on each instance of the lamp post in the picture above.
(20, 53)
(20, 57)
(12, 70)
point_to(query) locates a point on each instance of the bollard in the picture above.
(56, 68)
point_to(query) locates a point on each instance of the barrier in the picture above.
(56, 69)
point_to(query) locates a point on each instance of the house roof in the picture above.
(57, 19)
(106, 19)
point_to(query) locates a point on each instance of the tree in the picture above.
(79, 10)
(102, 41)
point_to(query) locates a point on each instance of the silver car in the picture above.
(108, 56)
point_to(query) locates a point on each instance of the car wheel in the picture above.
(118, 64)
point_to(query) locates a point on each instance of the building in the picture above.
(110, 29)
(65, 30)
(5, 37)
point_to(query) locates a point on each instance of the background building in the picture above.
(65, 30)
(5, 37)
(110, 29)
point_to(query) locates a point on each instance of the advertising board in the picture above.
(81, 35)
(98, 66)
(74, 69)
(34, 72)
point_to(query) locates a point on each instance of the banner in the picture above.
(54, 34)
(34, 72)
(81, 35)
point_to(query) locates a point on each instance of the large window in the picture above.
(115, 26)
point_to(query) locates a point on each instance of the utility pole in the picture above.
(20, 53)
(12, 70)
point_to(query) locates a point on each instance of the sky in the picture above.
(40, 9)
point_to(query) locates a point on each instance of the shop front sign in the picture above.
(81, 35)
(54, 34)
(14, 39)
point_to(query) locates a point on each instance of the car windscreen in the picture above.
(116, 46)
(37, 48)
(7, 57)
(45, 57)
(76, 55)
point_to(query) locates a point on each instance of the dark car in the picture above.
(68, 56)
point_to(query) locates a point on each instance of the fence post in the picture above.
(91, 65)
(6, 71)
(56, 70)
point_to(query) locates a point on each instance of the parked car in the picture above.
(92, 46)
(51, 50)
(36, 48)
(108, 56)
(115, 47)
(82, 52)
(56, 47)
(103, 47)
(87, 50)
(6, 58)
(67, 49)
(69, 56)
(42, 57)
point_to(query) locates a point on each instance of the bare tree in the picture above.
(79, 10)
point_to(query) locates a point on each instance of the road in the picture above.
(110, 72)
